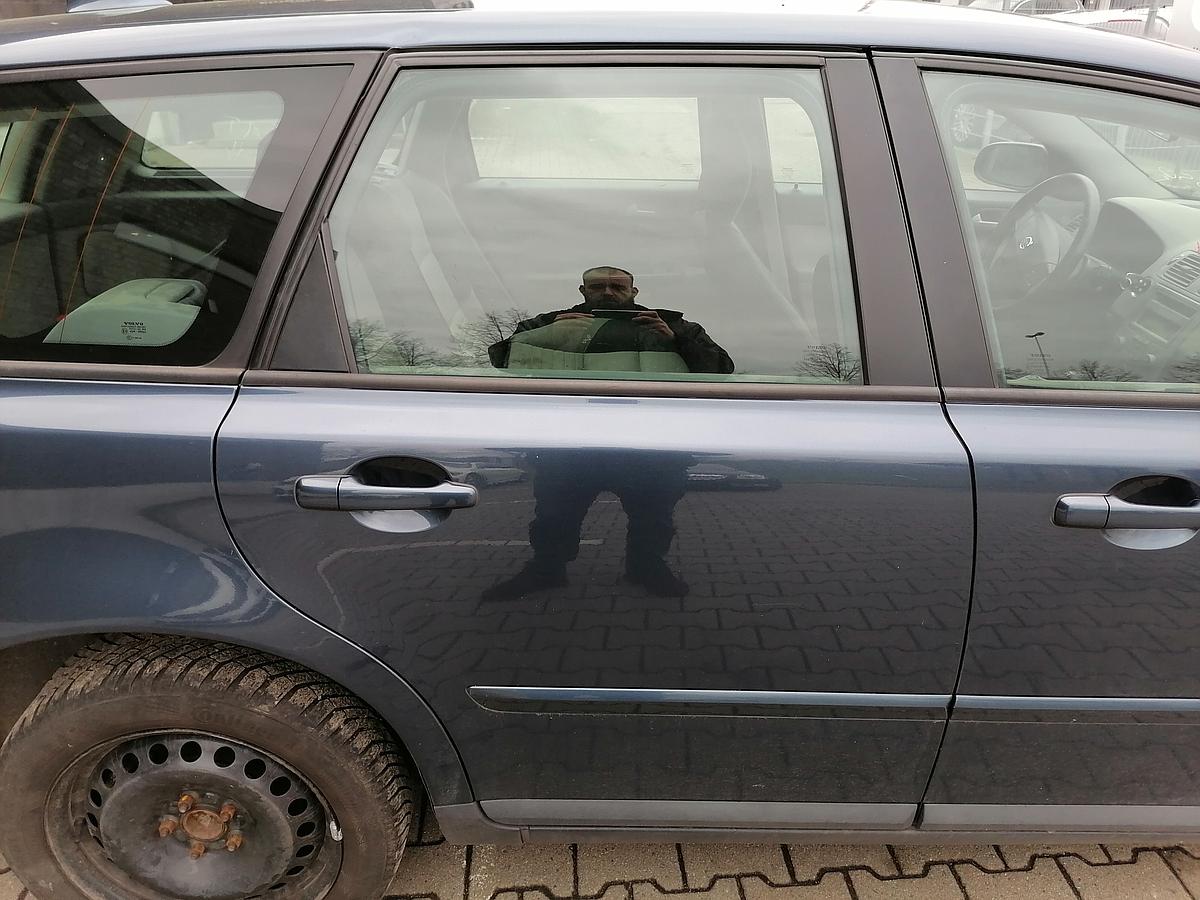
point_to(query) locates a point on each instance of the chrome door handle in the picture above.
(1106, 511)
(348, 494)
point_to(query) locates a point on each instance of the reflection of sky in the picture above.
(218, 135)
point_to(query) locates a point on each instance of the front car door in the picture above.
(1074, 386)
(698, 561)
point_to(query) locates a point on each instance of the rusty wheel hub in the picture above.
(193, 816)
(203, 825)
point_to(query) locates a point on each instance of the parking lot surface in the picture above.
(433, 868)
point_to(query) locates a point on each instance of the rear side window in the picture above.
(135, 212)
(652, 223)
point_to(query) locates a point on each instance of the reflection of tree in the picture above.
(1094, 370)
(473, 339)
(832, 361)
(1187, 369)
(375, 347)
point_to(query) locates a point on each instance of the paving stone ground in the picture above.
(435, 870)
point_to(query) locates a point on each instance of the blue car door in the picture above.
(1073, 382)
(573, 423)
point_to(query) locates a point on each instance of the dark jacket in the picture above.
(700, 352)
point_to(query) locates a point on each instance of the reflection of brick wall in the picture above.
(13, 9)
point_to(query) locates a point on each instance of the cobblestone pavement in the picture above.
(434, 869)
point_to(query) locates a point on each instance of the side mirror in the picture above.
(1010, 164)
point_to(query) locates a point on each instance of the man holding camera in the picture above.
(608, 331)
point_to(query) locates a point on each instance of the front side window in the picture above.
(135, 211)
(642, 223)
(1088, 269)
(1172, 160)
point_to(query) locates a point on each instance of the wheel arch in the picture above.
(26, 666)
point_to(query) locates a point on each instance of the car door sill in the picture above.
(671, 814)
(1061, 817)
(466, 823)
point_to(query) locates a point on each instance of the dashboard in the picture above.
(1153, 246)
(1128, 239)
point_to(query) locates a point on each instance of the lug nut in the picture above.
(233, 842)
(228, 811)
(196, 850)
(186, 802)
(167, 827)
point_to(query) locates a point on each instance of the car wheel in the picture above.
(169, 767)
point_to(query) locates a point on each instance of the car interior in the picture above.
(1081, 209)
(133, 219)
(479, 198)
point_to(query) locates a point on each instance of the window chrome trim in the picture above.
(1011, 396)
(499, 384)
(83, 371)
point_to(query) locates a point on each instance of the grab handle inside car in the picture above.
(350, 494)
(1106, 511)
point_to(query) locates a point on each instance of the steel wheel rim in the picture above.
(121, 851)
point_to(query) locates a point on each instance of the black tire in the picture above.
(123, 686)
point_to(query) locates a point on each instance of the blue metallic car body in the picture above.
(115, 525)
(131, 538)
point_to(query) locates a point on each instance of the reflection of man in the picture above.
(566, 484)
(608, 331)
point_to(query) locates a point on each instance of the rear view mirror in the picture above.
(1010, 164)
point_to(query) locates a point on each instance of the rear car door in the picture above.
(584, 419)
(1074, 384)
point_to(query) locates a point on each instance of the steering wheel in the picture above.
(1026, 256)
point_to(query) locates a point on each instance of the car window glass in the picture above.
(220, 134)
(795, 152)
(586, 137)
(1089, 273)
(1173, 160)
(971, 128)
(135, 211)
(642, 223)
